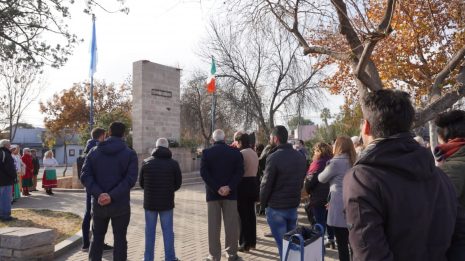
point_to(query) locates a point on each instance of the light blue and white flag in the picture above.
(93, 50)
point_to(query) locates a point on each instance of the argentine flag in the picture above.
(93, 50)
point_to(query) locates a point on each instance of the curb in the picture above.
(64, 246)
(69, 190)
(134, 188)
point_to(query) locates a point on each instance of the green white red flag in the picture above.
(211, 81)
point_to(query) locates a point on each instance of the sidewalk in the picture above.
(190, 225)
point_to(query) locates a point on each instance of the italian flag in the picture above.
(211, 80)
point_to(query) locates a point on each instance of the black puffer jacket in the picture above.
(283, 178)
(7, 168)
(160, 177)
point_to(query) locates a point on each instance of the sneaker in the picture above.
(85, 248)
(330, 244)
(269, 234)
(243, 249)
(8, 219)
(233, 258)
(107, 247)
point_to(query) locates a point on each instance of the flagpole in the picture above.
(213, 111)
(212, 89)
(91, 118)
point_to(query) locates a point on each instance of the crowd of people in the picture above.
(380, 196)
(18, 175)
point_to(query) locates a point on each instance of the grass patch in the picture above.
(65, 224)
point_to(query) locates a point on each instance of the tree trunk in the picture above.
(66, 159)
(433, 136)
(11, 130)
(206, 143)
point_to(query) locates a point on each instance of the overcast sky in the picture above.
(163, 31)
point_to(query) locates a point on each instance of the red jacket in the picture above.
(27, 159)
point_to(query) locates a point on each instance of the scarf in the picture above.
(444, 151)
(317, 166)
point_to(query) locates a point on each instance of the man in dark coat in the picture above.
(222, 168)
(398, 205)
(160, 176)
(98, 135)
(7, 179)
(281, 185)
(109, 173)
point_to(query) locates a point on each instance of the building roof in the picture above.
(28, 136)
(33, 137)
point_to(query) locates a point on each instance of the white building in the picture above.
(32, 138)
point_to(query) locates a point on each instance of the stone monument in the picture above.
(156, 105)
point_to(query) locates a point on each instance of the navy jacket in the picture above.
(221, 166)
(160, 177)
(7, 168)
(90, 144)
(110, 168)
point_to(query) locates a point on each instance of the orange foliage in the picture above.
(70, 108)
(426, 35)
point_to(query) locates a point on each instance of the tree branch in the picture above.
(384, 29)
(444, 102)
(453, 63)
(322, 50)
(346, 27)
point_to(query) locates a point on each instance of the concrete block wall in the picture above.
(156, 104)
(26, 243)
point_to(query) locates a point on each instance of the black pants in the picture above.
(247, 193)
(342, 239)
(86, 221)
(99, 228)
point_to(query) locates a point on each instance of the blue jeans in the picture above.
(5, 201)
(166, 219)
(281, 221)
(86, 221)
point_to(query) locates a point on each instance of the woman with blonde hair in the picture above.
(49, 180)
(344, 158)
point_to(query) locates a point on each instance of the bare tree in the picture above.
(196, 111)
(261, 69)
(354, 40)
(20, 86)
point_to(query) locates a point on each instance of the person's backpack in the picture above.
(80, 162)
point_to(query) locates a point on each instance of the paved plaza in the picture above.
(190, 226)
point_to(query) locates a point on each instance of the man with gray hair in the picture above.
(222, 168)
(160, 177)
(7, 179)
